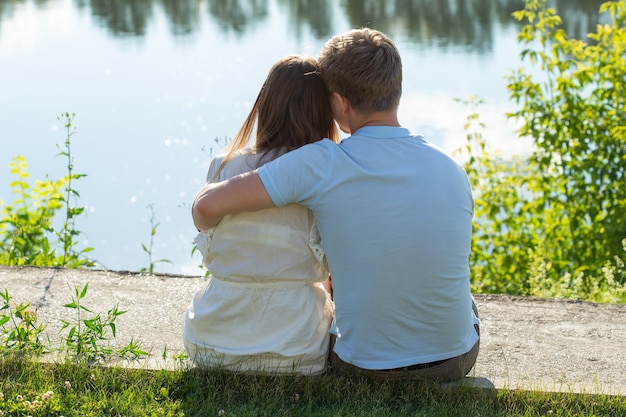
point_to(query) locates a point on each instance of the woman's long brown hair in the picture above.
(291, 110)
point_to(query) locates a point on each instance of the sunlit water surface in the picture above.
(158, 86)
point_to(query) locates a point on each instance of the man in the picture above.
(395, 216)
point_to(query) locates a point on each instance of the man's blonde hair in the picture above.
(364, 66)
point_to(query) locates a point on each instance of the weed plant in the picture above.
(85, 336)
(21, 333)
(67, 235)
(150, 248)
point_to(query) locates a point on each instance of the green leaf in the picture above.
(84, 291)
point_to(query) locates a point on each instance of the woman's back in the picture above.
(264, 308)
(267, 245)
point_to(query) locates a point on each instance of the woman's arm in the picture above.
(241, 193)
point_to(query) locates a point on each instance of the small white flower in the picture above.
(221, 413)
(29, 406)
(68, 385)
(47, 395)
(18, 398)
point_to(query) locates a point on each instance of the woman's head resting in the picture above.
(291, 110)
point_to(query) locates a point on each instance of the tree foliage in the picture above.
(560, 214)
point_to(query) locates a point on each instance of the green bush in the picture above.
(27, 233)
(557, 219)
(26, 224)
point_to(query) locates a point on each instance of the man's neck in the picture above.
(359, 120)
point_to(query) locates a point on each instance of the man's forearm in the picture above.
(244, 192)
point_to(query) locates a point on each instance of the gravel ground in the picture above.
(526, 343)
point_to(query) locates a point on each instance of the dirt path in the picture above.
(552, 345)
(526, 343)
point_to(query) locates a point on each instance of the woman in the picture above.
(264, 308)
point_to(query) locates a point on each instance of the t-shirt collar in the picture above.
(383, 132)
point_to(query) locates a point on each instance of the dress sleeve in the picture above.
(315, 244)
(203, 239)
(215, 164)
(203, 243)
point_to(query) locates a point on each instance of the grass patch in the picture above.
(30, 388)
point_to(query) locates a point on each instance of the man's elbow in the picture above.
(204, 214)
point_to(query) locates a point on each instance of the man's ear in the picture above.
(342, 102)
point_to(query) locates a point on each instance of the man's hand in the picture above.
(244, 192)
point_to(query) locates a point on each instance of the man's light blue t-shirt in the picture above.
(395, 216)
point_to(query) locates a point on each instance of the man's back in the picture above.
(395, 215)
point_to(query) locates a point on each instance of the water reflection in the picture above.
(236, 15)
(465, 23)
(316, 15)
(121, 17)
(445, 23)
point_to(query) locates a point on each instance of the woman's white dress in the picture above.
(264, 308)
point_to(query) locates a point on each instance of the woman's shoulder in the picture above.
(242, 161)
(242, 153)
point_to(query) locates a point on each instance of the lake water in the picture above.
(157, 87)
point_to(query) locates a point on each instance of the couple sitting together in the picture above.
(384, 212)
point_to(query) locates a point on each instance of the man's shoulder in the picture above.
(320, 145)
(308, 158)
(319, 149)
